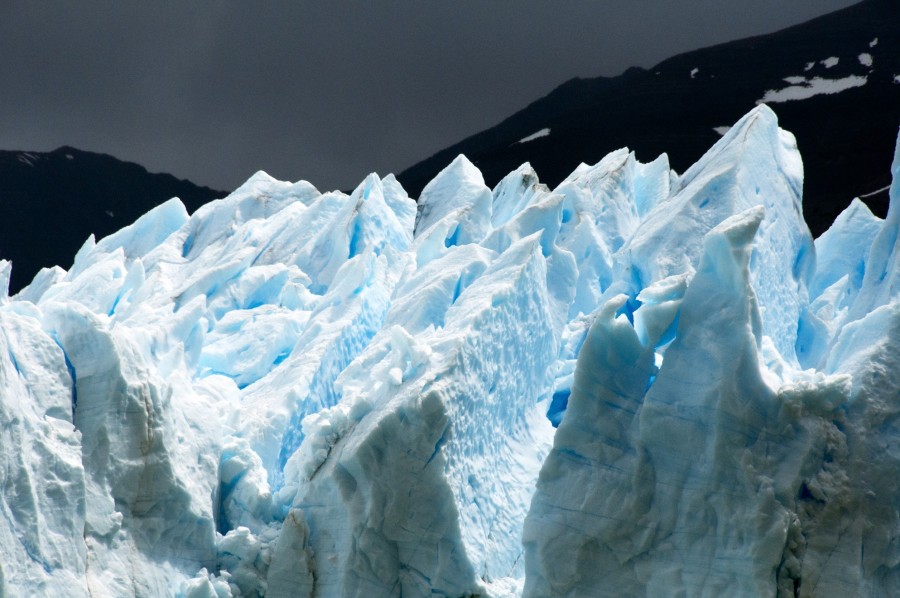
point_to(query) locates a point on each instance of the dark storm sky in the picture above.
(326, 91)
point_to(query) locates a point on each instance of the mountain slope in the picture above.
(51, 202)
(676, 107)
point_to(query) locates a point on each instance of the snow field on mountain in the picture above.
(637, 383)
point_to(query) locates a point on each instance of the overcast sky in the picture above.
(326, 91)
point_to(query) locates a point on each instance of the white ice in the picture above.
(636, 383)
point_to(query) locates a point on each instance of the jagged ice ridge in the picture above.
(638, 383)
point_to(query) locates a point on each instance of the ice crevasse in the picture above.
(638, 383)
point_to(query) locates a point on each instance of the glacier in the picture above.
(638, 383)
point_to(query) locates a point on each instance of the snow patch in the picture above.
(875, 192)
(28, 158)
(830, 61)
(813, 87)
(865, 59)
(542, 133)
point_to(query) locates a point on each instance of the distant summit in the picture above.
(50, 202)
(833, 81)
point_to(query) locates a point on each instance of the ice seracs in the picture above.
(629, 502)
(636, 383)
(640, 443)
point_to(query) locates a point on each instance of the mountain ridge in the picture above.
(50, 202)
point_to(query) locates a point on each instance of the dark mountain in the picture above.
(846, 137)
(51, 202)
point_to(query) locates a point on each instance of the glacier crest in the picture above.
(636, 383)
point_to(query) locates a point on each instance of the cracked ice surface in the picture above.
(637, 383)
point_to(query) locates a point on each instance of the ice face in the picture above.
(629, 501)
(755, 163)
(637, 383)
(43, 479)
(636, 458)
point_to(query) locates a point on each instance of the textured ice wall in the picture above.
(637, 383)
(718, 467)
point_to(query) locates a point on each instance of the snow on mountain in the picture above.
(537, 135)
(637, 383)
(807, 88)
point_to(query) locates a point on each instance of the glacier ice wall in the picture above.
(637, 383)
